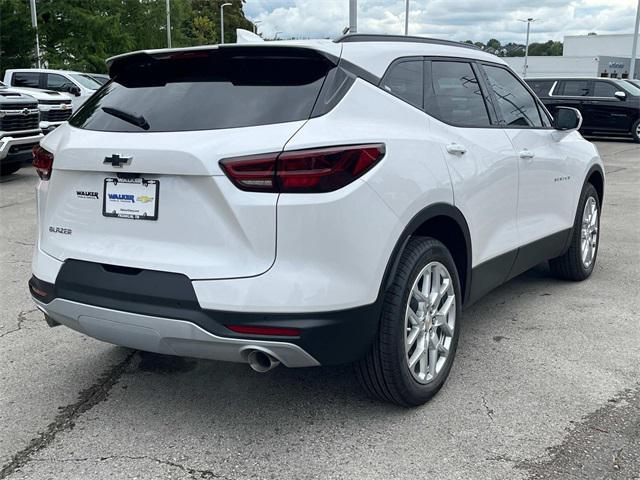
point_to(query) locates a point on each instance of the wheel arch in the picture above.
(595, 176)
(445, 223)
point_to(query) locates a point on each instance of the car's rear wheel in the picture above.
(579, 260)
(635, 131)
(419, 327)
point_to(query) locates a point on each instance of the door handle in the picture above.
(456, 149)
(526, 154)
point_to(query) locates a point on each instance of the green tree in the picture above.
(17, 37)
(493, 43)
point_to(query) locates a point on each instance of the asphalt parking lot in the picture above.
(546, 384)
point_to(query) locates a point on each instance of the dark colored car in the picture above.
(609, 106)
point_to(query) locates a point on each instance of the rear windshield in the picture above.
(208, 90)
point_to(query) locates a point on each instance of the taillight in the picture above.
(43, 162)
(303, 171)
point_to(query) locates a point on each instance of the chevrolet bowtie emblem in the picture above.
(117, 160)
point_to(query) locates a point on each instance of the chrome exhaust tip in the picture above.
(261, 361)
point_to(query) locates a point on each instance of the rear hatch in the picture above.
(136, 180)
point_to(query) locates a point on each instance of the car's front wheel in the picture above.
(579, 260)
(419, 327)
(635, 131)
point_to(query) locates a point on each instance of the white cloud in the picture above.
(452, 19)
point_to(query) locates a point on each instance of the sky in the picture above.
(477, 20)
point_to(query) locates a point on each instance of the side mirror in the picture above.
(567, 119)
(74, 90)
(620, 95)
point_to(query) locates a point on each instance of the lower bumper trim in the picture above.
(166, 336)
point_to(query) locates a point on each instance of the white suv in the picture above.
(308, 203)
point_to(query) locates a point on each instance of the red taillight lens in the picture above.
(275, 331)
(303, 171)
(254, 173)
(43, 162)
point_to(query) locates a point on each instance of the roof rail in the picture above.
(366, 37)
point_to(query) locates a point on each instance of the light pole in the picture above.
(34, 24)
(222, 21)
(168, 8)
(406, 18)
(528, 21)
(353, 16)
(255, 26)
(275, 37)
(634, 47)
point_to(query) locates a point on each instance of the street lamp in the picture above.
(255, 26)
(168, 9)
(222, 21)
(528, 21)
(275, 37)
(34, 24)
(406, 18)
(632, 67)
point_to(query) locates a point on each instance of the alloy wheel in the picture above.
(589, 232)
(430, 321)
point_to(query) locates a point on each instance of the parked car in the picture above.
(609, 106)
(55, 108)
(101, 78)
(19, 129)
(376, 187)
(79, 86)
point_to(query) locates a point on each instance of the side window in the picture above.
(572, 88)
(26, 79)
(517, 105)
(540, 87)
(404, 80)
(453, 94)
(58, 82)
(603, 89)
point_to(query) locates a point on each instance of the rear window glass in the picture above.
(540, 87)
(453, 95)
(26, 79)
(226, 88)
(572, 88)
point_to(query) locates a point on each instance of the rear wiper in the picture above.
(137, 120)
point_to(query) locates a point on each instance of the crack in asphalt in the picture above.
(591, 451)
(22, 317)
(65, 420)
(489, 411)
(193, 472)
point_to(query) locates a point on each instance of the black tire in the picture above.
(384, 372)
(635, 131)
(570, 266)
(9, 169)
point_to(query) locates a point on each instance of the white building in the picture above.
(607, 45)
(584, 56)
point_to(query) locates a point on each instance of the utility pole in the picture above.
(353, 16)
(406, 18)
(34, 24)
(222, 21)
(528, 21)
(634, 47)
(168, 7)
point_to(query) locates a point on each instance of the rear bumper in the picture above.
(165, 335)
(159, 312)
(17, 149)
